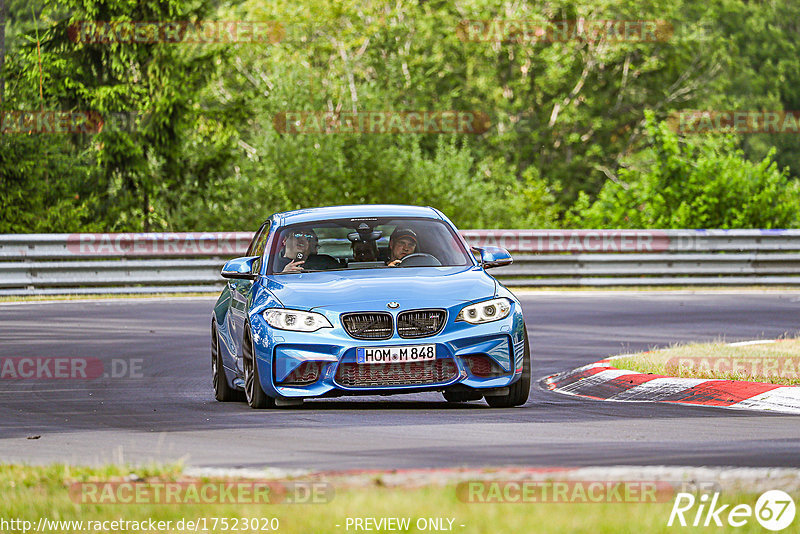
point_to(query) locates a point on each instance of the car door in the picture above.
(240, 290)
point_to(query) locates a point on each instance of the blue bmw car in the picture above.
(366, 300)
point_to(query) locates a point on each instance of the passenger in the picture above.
(365, 251)
(402, 243)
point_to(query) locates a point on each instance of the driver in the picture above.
(402, 243)
(298, 246)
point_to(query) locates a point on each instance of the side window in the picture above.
(254, 242)
(261, 242)
(258, 244)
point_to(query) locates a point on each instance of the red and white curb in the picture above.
(602, 381)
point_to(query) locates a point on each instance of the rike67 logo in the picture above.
(774, 510)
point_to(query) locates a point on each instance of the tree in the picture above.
(700, 182)
(361, 56)
(567, 117)
(2, 51)
(145, 166)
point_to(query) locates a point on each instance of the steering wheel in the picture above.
(419, 259)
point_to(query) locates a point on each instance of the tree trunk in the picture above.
(146, 211)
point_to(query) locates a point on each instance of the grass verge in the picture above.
(774, 363)
(32, 493)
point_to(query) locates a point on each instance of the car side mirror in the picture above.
(240, 268)
(493, 256)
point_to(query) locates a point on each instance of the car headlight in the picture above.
(295, 320)
(485, 312)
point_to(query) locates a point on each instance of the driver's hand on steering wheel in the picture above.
(395, 263)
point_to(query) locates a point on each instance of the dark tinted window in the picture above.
(358, 244)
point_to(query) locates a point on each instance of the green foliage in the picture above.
(693, 183)
(482, 194)
(763, 70)
(137, 173)
(568, 124)
(42, 187)
(288, 171)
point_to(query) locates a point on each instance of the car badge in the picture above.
(394, 304)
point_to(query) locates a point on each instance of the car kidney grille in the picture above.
(420, 323)
(357, 375)
(373, 325)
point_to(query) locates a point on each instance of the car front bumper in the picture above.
(333, 353)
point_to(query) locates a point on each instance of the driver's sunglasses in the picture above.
(310, 237)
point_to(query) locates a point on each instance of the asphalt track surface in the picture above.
(169, 414)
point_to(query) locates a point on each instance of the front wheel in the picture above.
(519, 390)
(223, 392)
(256, 398)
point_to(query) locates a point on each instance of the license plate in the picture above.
(407, 353)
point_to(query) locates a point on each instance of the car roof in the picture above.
(355, 211)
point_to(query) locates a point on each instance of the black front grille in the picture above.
(372, 325)
(356, 375)
(420, 323)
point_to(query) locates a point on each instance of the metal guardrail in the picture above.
(190, 262)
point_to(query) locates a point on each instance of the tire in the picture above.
(222, 391)
(519, 390)
(256, 398)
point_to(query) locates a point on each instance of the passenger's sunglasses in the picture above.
(310, 237)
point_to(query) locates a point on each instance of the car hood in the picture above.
(411, 287)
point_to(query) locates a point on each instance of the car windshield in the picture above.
(373, 243)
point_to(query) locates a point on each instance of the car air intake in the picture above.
(372, 325)
(420, 323)
(484, 366)
(305, 373)
(355, 375)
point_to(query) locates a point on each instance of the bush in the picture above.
(702, 182)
